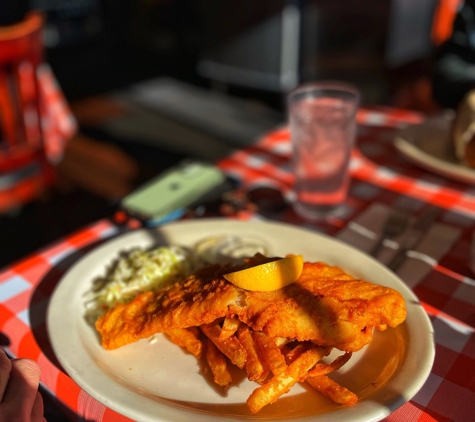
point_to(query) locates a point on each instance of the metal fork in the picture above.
(395, 224)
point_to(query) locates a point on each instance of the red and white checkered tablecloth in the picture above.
(379, 174)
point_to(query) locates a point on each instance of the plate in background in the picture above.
(428, 145)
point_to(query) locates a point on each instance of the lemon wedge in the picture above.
(270, 276)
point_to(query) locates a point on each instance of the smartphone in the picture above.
(174, 190)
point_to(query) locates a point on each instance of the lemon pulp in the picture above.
(270, 276)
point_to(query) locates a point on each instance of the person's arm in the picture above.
(20, 399)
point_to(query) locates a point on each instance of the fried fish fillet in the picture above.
(325, 306)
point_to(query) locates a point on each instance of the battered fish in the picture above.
(325, 306)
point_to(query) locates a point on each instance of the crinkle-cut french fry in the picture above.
(280, 384)
(281, 341)
(323, 369)
(230, 326)
(332, 390)
(297, 351)
(230, 347)
(256, 367)
(187, 338)
(270, 352)
(218, 365)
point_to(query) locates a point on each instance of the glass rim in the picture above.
(326, 85)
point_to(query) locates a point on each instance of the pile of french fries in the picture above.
(274, 363)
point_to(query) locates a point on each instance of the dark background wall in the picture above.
(99, 45)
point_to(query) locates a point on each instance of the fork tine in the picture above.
(395, 224)
(406, 204)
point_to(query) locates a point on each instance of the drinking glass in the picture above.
(323, 127)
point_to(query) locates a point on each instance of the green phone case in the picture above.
(175, 189)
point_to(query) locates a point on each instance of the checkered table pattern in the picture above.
(379, 174)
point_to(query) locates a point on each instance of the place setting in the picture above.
(416, 243)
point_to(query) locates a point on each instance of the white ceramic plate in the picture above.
(428, 146)
(159, 382)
